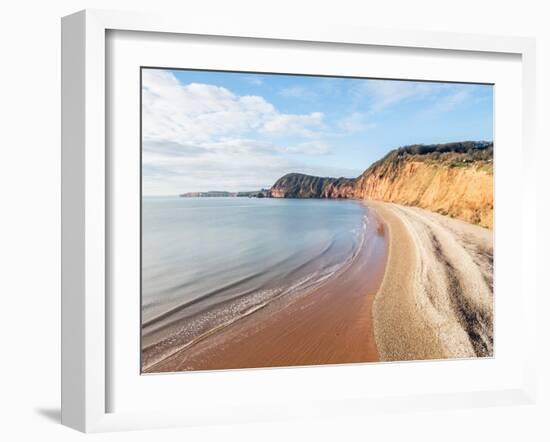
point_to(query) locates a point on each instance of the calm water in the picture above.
(211, 260)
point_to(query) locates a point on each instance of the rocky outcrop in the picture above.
(297, 185)
(454, 179)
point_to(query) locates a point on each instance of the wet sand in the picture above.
(331, 324)
(436, 300)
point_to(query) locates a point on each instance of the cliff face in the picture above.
(453, 179)
(297, 185)
(458, 189)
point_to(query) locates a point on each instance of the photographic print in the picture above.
(294, 220)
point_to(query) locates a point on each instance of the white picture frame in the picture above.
(86, 205)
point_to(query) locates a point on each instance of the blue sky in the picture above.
(238, 131)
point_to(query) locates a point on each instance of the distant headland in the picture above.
(263, 193)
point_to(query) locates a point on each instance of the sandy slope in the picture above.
(436, 299)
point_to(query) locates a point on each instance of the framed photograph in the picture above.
(264, 223)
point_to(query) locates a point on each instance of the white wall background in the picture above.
(30, 220)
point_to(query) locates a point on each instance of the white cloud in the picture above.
(379, 95)
(196, 112)
(308, 148)
(177, 113)
(299, 92)
(356, 122)
(224, 171)
(306, 125)
(200, 137)
(451, 101)
(232, 165)
(253, 80)
(382, 94)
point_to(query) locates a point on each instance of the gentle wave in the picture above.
(219, 316)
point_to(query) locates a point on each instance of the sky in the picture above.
(239, 131)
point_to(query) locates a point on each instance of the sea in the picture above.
(206, 262)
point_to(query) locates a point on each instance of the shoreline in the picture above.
(420, 288)
(330, 324)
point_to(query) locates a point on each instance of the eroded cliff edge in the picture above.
(454, 179)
